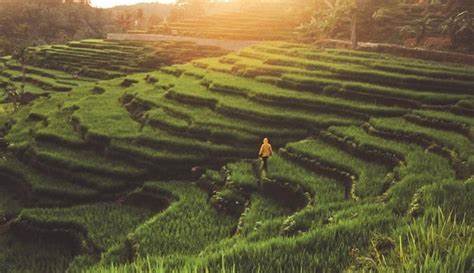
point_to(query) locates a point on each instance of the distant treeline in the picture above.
(437, 24)
(26, 23)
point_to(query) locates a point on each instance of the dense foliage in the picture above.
(26, 23)
(443, 24)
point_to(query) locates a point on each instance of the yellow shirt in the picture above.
(265, 150)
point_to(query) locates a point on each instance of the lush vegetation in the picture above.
(26, 23)
(60, 68)
(434, 24)
(146, 161)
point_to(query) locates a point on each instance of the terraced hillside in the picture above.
(269, 23)
(60, 68)
(157, 171)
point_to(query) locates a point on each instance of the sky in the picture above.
(111, 3)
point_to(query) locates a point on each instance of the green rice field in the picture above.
(143, 157)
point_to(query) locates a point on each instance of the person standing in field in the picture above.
(265, 152)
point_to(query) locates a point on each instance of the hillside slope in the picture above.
(129, 170)
(270, 21)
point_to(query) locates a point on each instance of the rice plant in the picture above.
(106, 156)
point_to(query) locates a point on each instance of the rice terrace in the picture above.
(131, 136)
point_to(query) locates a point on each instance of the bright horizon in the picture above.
(112, 3)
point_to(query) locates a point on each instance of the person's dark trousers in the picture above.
(265, 164)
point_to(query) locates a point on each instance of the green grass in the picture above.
(281, 249)
(421, 169)
(43, 185)
(242, 175)
(445, 117)
(416, 169)
(359, 72)
(459, 143)
(435, 243)
(408, 62)
(309, 83)
(364, 139)
(384, 62)
(205, 118)
(309, 79)
(370, 176)
(45, 83)
(59, 130)
(88, 160)
(161, 140)
(234, 105)
(106, 224)
(451, 195)
(186, 227)
(158, 159)
(222, 82)
(262, 209)
(324, 189)
(34, 254)
(102, 121)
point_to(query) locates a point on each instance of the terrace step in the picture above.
(449, 123)
(261, 209)
(368, 153)
(164, 163)
(359, 73)
(451, 144)
(96, 224)
(430, 142)
(323, 168)
(191, 219)
(370, 179)
(271, 95)
(44, 187)
(383, 62)
(213, 125)
(84, 161)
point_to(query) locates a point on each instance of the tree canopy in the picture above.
(25, 23)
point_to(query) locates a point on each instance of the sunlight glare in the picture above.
(111, 3)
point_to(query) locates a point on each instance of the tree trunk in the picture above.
(421, 35)
(354, 37)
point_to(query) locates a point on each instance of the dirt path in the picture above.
(226, 44)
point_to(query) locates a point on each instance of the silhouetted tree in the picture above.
(187, 9)
(125, 20)
(357, 10)
(460, 29)
(23, 23)
(138, 17)
(154, 20)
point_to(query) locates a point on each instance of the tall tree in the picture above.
(125, 20)
(188, 9)
(138, 17)
(358, 6)
(23, 23)
(154, 20)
